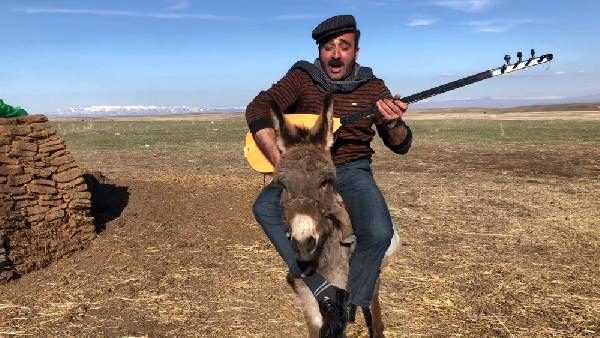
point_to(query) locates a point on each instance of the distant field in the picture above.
(119, 134)
(498, 221)
(106, 135)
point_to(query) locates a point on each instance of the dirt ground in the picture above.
(496, 241)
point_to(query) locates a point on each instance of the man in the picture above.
(354, 89)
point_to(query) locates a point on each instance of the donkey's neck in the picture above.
(333, 260)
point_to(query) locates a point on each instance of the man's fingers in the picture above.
(386, 112)
(399, 102)
(394, 107)
(391, 109)
(403, 106)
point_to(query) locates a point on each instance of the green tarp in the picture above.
(10, 111)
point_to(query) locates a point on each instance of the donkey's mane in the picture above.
(302, 135)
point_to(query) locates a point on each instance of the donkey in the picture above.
(319, 226)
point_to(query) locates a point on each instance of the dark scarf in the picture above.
(357, 77)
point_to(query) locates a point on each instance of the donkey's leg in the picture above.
(310, 308)
(377, 326)
(377, 320)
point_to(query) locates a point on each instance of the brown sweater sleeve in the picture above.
(404, 146)
(283, 93)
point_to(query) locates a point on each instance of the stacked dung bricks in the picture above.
(45, 202)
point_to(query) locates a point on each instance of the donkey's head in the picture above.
(307, 175)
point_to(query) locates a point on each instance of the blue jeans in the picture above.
(370, 219)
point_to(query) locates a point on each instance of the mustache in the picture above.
(335, 63)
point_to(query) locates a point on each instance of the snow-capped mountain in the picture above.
(139, 110)
(479, 102)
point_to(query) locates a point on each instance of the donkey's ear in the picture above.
(322, 132)
(285, 132)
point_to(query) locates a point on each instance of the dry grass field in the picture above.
(499, 218)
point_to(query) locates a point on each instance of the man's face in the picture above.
(338, 55)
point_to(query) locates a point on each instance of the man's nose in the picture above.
(336, 53)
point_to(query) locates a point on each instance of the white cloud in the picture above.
(496, 25)
(570, 73)
(421, 22)
(180, 5)
(209, 17)
(295, 17)
(111, 12)
(108, 12)
(493, 29)
(465, 5)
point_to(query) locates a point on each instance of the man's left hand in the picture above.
(390, 109)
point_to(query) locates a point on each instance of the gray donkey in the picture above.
(319, 226)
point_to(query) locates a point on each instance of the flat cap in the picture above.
(334, 26)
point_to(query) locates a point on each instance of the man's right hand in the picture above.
(266, 140)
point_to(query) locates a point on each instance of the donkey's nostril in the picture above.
(311, 244)
(295, 244)
(304, 247)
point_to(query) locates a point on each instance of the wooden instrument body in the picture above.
(255, 157)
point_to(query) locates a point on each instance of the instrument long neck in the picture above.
(508, 68)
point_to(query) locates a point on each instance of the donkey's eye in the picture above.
(326, 183)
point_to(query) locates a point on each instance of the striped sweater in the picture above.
(296, 92)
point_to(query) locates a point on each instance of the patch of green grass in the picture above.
(526, 132)
(129, 135)
(123, 135)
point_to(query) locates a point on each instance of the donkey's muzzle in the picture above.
(305, 249)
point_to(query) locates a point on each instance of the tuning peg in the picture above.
(532, 53)
(520, 56)
(507, 59)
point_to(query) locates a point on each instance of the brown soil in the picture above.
(493, 245)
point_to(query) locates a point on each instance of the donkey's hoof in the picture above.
(335, 314)
(352, 314)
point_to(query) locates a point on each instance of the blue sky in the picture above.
(60, 54)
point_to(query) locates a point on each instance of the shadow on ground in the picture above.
(108, 199)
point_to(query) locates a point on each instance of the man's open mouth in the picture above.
(335, 66)
(336, 69)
